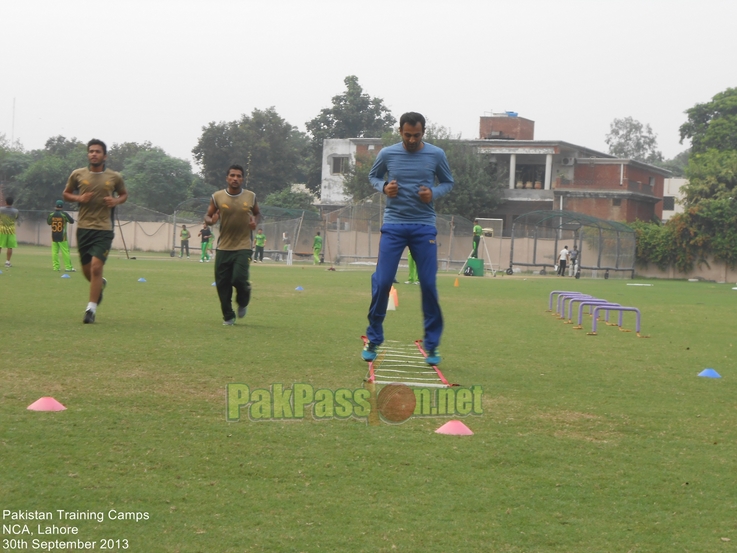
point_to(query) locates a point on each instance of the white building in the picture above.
(672, 196)
(337, 156)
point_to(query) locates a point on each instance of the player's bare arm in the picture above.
(212, 215)
(256, 215)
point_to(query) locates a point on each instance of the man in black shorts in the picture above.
(97, 190)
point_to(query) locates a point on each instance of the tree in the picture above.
(628, 138)
(200, 189)
(708, 227)
(712, 166)
(269, 148)
(62, 147)
(478, 182)
(353, 114)
(43, 181)
(677, 165)
(289, 199)
(712, 175)
(158, 181)
(119, 154)
(713, 124)
(356, 182)
(707, 230)
(13, 161)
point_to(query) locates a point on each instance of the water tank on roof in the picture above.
(512, 113)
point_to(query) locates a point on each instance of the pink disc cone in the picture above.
(454, 428)
(46, 404)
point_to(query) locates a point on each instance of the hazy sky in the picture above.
(159, 70)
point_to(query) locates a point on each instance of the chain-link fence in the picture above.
(353, 233)
(604, 247)
(141, 229)
(350, 234)
(136, 228)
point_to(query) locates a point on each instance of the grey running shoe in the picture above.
(242, 312)
(89, 317)
(231, 322)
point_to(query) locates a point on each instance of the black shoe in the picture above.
(99, 300)
(89, 317)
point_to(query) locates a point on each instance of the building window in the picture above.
(652, 181)
(616, 202)
(339, 165)
(669, 203)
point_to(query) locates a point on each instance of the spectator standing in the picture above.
(205, 235)
(58, 220)
(260, 243)
(184, 235)
(562, 260)
(8, 217)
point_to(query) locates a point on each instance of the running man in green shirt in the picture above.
(477, 231)
(260, 242)
(58, 220)
(317, 247)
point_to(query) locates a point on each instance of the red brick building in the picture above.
(506, 126)
(546, 174)
(542, 174)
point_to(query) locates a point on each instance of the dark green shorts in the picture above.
(94, 243)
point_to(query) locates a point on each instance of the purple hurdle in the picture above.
(621, 309)
(584, 302)
(594, 304)
(560, 311)
(550, 297)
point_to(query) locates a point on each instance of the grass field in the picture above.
(601, 443)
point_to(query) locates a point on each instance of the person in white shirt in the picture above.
(562, 260)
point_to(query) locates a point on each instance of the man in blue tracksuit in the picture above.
(406, 173)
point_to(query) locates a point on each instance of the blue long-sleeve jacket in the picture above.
(411, 170)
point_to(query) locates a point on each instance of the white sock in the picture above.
(92, 307)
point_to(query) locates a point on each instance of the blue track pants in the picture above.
(422, 245)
